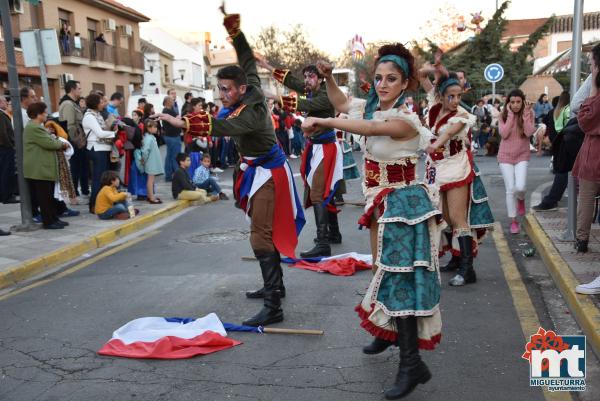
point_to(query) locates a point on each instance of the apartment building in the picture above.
(98, 39)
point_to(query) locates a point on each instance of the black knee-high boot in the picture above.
(335, 236)
(260, 293)
(466, 273)
(454, 263)
(322, 247)
(412, 370)
(273, 279)
(377, 346)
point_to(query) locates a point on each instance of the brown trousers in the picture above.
(585, 207)
(261, 214)
(317, 188)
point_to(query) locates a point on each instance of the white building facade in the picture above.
(189, 69)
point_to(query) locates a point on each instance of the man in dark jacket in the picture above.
(313, 101)
(274, 222)
(70, 115)
(7, 156)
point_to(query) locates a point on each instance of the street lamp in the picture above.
(181, 75)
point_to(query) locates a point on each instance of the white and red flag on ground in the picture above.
(168, 338)
(345, 264)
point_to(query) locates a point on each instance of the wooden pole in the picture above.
(292, 331)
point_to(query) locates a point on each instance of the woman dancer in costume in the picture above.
(450, 165)
(401, 305)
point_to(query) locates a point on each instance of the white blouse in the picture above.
(92, 127)
(386, 148)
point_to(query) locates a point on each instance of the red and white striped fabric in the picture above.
(345, 264)
(168, 338)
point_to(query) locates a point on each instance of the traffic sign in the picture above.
(493, 72)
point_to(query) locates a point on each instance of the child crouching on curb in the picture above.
(182, 186)
(203, 180)
(110, 203)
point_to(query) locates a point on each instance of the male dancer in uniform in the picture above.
(264, 186)
(322, 159)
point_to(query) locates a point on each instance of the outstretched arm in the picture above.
(283, 76)
(395, 128)
(174, 121)
(337, 98)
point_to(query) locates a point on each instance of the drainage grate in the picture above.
(218, 237)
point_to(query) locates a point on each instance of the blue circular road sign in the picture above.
(493, 72)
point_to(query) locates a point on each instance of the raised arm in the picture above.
(243, 50)
(505, 127)
(337, 98)
(395, 128)
(281, 75)
(529, 122)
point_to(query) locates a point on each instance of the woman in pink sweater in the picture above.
(516, 126)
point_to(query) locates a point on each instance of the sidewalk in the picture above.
(569, 268)
(24, 254)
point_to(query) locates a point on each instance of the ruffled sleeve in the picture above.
(356, 109)
(468, 120)
(425, 135)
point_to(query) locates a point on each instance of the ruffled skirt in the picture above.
(407, 281)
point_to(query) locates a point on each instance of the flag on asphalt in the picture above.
(345, 264)
(168, 338)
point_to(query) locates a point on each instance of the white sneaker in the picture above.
(589, 288)
(216, 170)
(293, 156)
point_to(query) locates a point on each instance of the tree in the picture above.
(442, 30)
(487, 47)
(287, 49)
(363, 68)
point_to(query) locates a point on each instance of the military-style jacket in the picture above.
(250, 124)
(315, 105)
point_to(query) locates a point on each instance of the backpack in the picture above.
(79, 139)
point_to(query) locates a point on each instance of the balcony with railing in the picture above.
(74, 50)
(137, 62)
(102, 55)
(122, 60)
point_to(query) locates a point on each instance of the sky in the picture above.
(332, 23)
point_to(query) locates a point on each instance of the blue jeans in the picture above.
(173, 147)
(100, 163)
(482, 139)
(224, 152)
(80, 169)
(211, 186)
(119, 207)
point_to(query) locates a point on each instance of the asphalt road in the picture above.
(192, 266)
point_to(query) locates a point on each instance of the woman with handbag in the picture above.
(99, 143)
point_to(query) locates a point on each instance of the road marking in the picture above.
(80, 265)
(528, 318)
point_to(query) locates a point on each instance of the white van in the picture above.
(154, 99)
